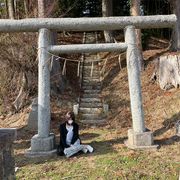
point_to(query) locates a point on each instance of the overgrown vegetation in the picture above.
(18, 60)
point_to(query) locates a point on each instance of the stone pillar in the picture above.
(137, 137)
(134, 80)
(44, 83)
(76, 109)
(43, 143)
(7, 163)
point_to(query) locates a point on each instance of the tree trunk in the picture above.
(26, 7)
(11, 9)
(106, 12)
(41, 8)
(6, 6)
(19, 101)
(17, 6)
(167, 72)
(175, 45)
(135, 11)
(57, 83)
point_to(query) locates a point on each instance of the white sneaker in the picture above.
(85, 150)
(90, 148)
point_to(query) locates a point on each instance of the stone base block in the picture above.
(142, 140)
(32, 154)
(76, 109)
(42, 146)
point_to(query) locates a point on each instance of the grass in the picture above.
(110, 160)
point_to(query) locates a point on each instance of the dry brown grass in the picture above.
(111, 159)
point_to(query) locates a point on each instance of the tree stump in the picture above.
(167, 71)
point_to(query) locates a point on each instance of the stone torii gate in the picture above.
(138, 137)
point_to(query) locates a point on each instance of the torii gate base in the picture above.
(142, 140)
(42, 146)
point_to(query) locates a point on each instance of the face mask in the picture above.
(70, 121)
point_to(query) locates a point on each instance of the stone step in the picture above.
(92, 83)
(91, 95)
(87, 63)
(92, 91)
(86, 87)
(88, 70)
(91, 116)
(91, 57)
(89, 40)
(94, 76)
(87, 81)
(90, 100)
(93, 122)
(90, 67)
(89, 73)
(90, 110)
(91, 79)
(91, 105)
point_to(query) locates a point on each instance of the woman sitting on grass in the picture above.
(70, 142)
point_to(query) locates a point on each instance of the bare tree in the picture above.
(11, 9)
(57, 83)
(107, 11)
(175, 45)
(26, 7)
(41, 8)
(135, 11)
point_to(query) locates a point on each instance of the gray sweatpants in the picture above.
(76, 147)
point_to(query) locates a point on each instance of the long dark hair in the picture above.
(71, 114)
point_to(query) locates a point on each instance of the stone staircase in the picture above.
(91, 105)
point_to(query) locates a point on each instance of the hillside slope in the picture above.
(111, 159)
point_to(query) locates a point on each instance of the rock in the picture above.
(7, 162)
(33, 116)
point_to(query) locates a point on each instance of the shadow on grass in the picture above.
(100, 148)
(88, 136)
(167, 124)
(167, 141)
(105, 147)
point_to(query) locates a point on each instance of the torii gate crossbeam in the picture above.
(87, 24)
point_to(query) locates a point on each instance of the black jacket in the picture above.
(63, 134)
